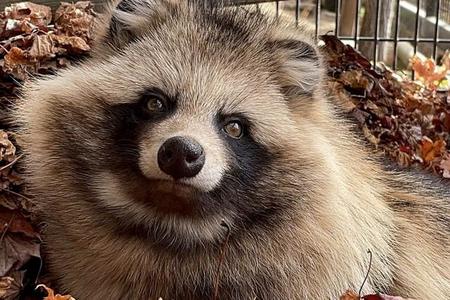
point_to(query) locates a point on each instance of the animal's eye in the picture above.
(234, 129)
(155, 104)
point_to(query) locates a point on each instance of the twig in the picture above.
(16, 194)
(5, 229)
(367, 274)
(221, 258)
(11, 163)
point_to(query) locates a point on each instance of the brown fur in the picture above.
(302, 214)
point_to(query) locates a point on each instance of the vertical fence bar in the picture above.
(318, 3)
(416, 28)
(375, 38)
(297, 11)
(416, 32)
(277, 8)
(397, 21)
(338, 11)
(355, 35)
(436, 30)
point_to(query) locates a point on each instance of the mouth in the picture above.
(170, 197)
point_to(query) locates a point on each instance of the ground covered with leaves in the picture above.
(407, 120)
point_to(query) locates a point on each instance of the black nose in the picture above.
(181, 157)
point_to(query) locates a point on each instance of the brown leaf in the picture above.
(18, 63)
(52, 296)
(14, 221)
(428, 71)
(75, 19)
(25, 17)
(42, 47)
(15, 251)
(349, 295)
(10, 286)
(73, 44)
(7, 149)
(430, 150)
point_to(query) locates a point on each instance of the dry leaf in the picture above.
(427, 70)
(14, 221)
(15, 251)
(7, 149)
(10, 286)
(73, 44)
(42, 48)
(18, 63)
(75, 19)
(430, 150)
(349, 295)
(52, 296)
(25, 17)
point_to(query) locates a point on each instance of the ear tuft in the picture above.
(129, 19)
(300, 70)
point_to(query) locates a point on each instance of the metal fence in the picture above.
(384, 30)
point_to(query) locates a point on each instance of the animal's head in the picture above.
(187, 116)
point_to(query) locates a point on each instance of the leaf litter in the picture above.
(33, 40)
(408, 120)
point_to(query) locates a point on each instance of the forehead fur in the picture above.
(210, 58)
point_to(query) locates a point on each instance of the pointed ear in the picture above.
(300, 65)
(121, 30)
(128, 19)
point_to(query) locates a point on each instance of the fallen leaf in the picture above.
(430, 150)
(349, 295)
(75, 19)
(42, 48)
(52, 296)
(427, 70)
(7, 148)
(73, 44)
(10, 286)
(15, 251)
(14, 221)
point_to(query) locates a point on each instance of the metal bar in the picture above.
(297, 11)
(277, 8)
(397, 21)
(338, 11)
(416, 34)
(416, 28)
(436, 29)
(247, 2)
(375, 37)
(355, 35)
(318, 3)
(381, 39)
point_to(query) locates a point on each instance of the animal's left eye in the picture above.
(155, 104)
(234, 129)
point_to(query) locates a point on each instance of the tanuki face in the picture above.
(188, 124)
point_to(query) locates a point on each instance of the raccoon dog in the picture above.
(196, 156)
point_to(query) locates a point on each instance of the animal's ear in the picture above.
(122, 24)
(299, 69)
(126, 20)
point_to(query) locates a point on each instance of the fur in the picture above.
(300, 199)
